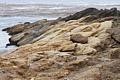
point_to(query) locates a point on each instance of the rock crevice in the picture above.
(84, 48)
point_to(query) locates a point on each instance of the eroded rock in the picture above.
(95, 14)
(79, 38)
(111, 71)
(115, 53)
(77, 49)
(115, 33)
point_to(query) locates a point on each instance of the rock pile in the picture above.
(72, 50)
(95, 13)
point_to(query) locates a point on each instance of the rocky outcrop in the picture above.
(66, 51)
(115, 32)
(24, 33)
(28, 33)
(79, 38)
(95, 13)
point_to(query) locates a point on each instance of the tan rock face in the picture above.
(16, 29)
(16, 79)
(84, 49)
(65, 50)
(79, 62)
(115, 53)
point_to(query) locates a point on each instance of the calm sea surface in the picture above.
(64, 1)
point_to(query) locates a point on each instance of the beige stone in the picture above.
(35, 57)
(54, 56)
(94, 41)
(63, 57)
(32, 79)
(15, 67)
(17, 37)
(78, 38)
(78, 63)
(16, 79)
(102, 29)
(79, 29)
(50, 53)
(84, 49)
(95, 25)
(90, 74)
(89, 50)
(65, 48)
(44, 64)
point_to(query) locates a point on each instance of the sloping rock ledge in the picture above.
(82, 47)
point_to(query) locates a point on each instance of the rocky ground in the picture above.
(83, 46)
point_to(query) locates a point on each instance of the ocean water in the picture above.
(64, 1)
(19, 11)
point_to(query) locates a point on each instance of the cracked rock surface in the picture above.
(72, 50)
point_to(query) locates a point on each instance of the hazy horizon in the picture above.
(63, 1)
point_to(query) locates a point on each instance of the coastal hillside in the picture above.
(82, 46)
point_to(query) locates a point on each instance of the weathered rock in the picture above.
(24, 33)
(67, 48)
(76, 64)
(115, 53)
(15, 38)
(40, 27)
(57, 75)
(94, 42)
(84, 50)
(53, 50)
(79, 38)
(95, 14)
(111, 70)
(90, 74)
(86, 12)
(16, 79)
(20, 27)
(44, 64)
(35, 57)
(63, 57)
(15, 29)
(115, 33)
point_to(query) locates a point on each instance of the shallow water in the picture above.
(64, 1)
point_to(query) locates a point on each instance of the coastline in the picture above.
(10, 21)
(85, 45)
(28, 33)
